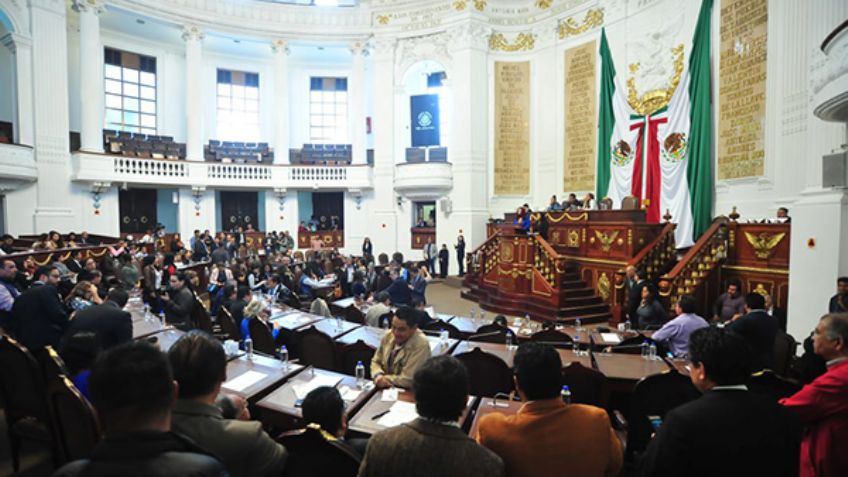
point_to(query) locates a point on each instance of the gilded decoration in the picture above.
(764, 243)
(543, 4)
(523, 42)
(460, 5)
(507, 253)
(606, 239)
(594, 18)
(573, 239)
(383, 19)
(651, 101)
(604, 286)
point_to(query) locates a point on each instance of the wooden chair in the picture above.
(655, 395)
(23, 394)
(77, 428)
(317, 349)
(228, 324)
(439, 325)
(354, 353)
(52, 365)
(263, 340)
(784, 352)
(354, 315)
(554, 338)
(587, 385)
(488, 375)
(630, 203)
(768, 383)
(385, 321)
(200, 317)
(313, 451)
(605, 204)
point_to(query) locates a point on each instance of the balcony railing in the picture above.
(89, 167)
(423, 180)
(17, 166)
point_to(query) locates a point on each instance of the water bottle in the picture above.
(360, 375)
(284, 354)
(652, 352)
(510, 342)
(248, 348)
(577, 323)
(444, 336)
(339, 323)
(627, 326)
(565, 394)
(473, 314)
(645, 349)
(162, 317)
(526, 323)
(482, 315)
(147, 316)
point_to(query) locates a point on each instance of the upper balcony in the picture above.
(89, 167)
(423, 180)
(17, 166)
(829, 77)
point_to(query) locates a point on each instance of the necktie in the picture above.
(391, 362)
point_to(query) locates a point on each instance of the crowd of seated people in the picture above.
(238, 152)
(142, 145)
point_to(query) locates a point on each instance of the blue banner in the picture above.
(424, 120)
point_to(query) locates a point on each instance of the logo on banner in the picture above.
(425, 119)
(622, 153)
(674, 148)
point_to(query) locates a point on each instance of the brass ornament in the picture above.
(383, 19)
(573, 239)
(651, 101)
(604, 286)
(543, 4)
(523, 42)
(764, 243)
(606, 239)
(594, 18)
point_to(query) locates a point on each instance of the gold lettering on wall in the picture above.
(512, 128)
(742, 88)
(580, 117)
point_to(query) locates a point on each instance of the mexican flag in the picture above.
(669, 161)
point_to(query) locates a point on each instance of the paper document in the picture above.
(610, 338)
(390, 394)
(400, 413)
(348, 393)
(244, 381)
(302, 388)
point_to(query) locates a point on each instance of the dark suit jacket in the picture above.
(759, 329)
(237, 310)
(727, 433)
(426, 449)
(400, 293)
(108, 322)
(39, 318)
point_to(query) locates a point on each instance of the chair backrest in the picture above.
(385, 320)
(784, 352)
(22, 385)
(263, 340)
(629, 345)
(488, 374)
(630, 203)
(352, 354)
(587, 385)
(354, 315)
(605, 204)
(228, 324)
(52, 365)
(77, 428)
(491, 333)
(317, 349)
(554, 337)
(440, 325)
(768, 383)
(200, 316)
(655, 395)
(314, 452)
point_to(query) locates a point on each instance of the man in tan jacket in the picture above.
(401, 352)
(548, 437)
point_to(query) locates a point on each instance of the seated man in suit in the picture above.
(236, 308)
(109, 322)
(398, 290)
(401, 352)
(324, 409)
(382, 305)
(200, 367)
(38, 317)
(433, 444)
(758, 328)
(822, 405)
(533, 442)
(675, 334)
(728, 431)
(133, 390)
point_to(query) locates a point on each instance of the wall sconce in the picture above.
(446, 205)
(197, 193)
(98, 188)
(357, 197)
(399, 200)
(280, 193)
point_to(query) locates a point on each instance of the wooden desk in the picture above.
(142, 328)
(273, 369)
(487, 407)
(165, 338)
(507, 355)
(628, 368)
(330, 327)
(468, 326)
(679, 364)
(279, 408)
(582, 336)
(367, 334)
(362, 423)
(296, 319)
(437, 348)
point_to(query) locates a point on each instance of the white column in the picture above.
(193, 37)
(385, 223)
(91, 75)
(21, 49)
(280, 48)
(50, 112)
(356, 99)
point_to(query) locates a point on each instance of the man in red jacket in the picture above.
(822, 405)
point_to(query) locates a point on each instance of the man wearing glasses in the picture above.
(38, 318)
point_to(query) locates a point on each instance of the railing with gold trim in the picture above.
(696, 266)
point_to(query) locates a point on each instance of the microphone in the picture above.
(484, 335)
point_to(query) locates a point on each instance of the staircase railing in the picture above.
(657, 254)
(697, 264)
(548, 262)
(480, 258)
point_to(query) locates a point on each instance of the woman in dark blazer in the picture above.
(367, 248)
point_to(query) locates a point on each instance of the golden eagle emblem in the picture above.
(622, 153)
(606, 239)
(764, 243)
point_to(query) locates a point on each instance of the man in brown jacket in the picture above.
(433, 444)
(548, 437)
(401, 352)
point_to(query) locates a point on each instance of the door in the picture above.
(138, 210)
(239, 208)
